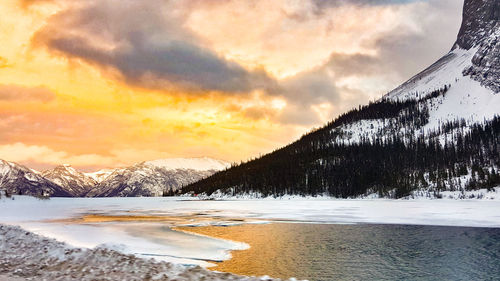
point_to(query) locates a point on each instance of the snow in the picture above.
(5, 168)
(150, 233)
(444, 72)
(27, 255)
(100, 175)
(466, 99)
(198, 164)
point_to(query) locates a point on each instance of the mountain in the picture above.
(100, 175)
(17, 179)
(150, 178)
(72, 181)
(156, 178)
(440, 130)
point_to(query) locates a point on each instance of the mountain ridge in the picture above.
(18, 179)
(148, 178)
(481, 29)
(437, 131)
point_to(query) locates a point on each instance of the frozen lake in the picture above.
(143, 226)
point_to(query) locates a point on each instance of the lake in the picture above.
(315, 239)
(362, 252)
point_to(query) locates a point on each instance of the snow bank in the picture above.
(145, 237)
(481, 194)
(198, 164)
(25, 254)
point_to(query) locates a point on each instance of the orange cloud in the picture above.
(108, 82)
(15, 92)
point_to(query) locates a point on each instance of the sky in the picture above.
(108, 83)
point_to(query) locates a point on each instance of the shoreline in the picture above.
(24, 254)
(330, 252)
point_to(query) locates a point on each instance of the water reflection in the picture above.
(361, 252)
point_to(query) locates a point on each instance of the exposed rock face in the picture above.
(155, 178)
(73, 181)
(481, 29)
(17, 179)
(480, 20)
(146, 180)
(150, 178)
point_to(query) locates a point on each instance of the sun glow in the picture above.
(77, 85)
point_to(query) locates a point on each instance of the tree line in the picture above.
(389, 164)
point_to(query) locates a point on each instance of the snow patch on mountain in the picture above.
(446, 71)
(197, 164)
(100, 175)
(465, 99)
(17, 179)
(74, 182)
(156, 178)
(150, 178)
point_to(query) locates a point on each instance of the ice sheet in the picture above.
(155, 238)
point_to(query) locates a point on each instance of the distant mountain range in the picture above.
(151, 178)
(440, 130)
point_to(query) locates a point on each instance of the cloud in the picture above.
(29, 3)
(21, 93)
(323, 52)
(77, 132)
(39, 156)
(145, 42)
(335, 3)
(4, 62)
(348, 79)
(42, 157)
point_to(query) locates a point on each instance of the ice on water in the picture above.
(57, 218)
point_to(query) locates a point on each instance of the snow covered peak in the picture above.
(74, 182)
(65, 168)
(474, 56)
(100, 175)
(7, 167)
(18, 179)
(197, 164)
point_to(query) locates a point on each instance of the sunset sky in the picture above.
(106, 83)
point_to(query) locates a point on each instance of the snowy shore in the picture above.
(26, 255)
(129, 231)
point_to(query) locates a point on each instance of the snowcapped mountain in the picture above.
(197, 164)
(157, 177)
(438, 131)
(150, 178)
(17, 179)
(72, 181)
(462, 85)
(100, 175)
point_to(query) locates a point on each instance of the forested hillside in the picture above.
(453, 157)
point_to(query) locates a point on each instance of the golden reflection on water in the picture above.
(268, 253)
(172, 220)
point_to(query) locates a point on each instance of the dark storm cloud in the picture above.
(146, 43)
